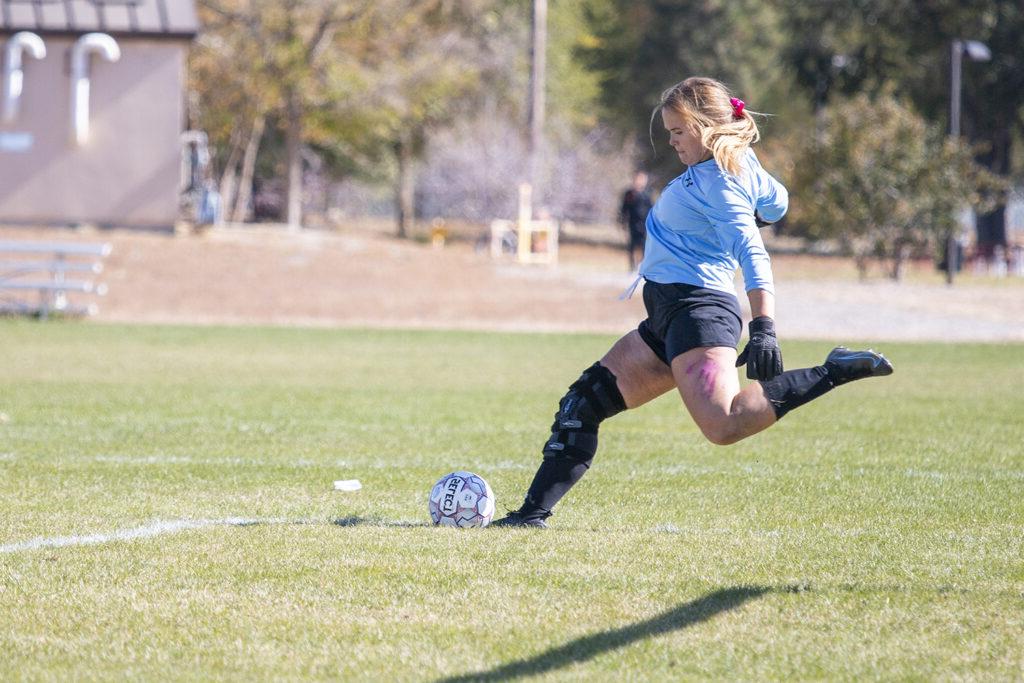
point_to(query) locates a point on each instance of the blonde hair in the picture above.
(705, 104)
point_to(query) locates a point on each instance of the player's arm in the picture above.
(772, 200)
(762, 354)
(762, 303)
(730, 214)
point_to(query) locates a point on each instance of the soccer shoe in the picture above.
(844, 365)
(516, 518)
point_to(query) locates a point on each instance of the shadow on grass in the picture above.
(353, 520)
(588, 647)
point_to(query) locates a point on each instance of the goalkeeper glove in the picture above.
(762, 354)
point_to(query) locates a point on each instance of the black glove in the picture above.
(760, 222)
(761, 355)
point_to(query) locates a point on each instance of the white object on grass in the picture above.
(347, 485)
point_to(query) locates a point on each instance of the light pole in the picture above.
(977, 52)
(825, 79)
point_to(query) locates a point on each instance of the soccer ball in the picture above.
(461, 499)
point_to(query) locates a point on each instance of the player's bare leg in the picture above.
(641, 376)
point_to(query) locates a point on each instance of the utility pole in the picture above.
(956, 61)
(978, 52)
(538, 77)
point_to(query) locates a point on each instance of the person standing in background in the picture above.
(636, 203)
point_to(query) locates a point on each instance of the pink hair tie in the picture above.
(737, 106)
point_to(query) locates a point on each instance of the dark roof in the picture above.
(167, 18)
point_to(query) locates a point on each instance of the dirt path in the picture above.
(266, 276)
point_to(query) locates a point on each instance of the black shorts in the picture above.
(684, 317)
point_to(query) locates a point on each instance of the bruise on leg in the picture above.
(706, 371)
(710, 389)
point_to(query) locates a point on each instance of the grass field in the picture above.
(166, 513)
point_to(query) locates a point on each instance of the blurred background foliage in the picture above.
(320, 110)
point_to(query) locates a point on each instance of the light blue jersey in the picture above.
(702, 227)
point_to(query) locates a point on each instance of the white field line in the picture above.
(156, 528)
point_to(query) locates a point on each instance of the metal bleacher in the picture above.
(36, 277)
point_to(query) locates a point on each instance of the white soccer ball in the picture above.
(461, 499)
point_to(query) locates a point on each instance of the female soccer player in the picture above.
(704, 226)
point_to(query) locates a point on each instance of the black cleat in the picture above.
(844, 365)
(517, 518)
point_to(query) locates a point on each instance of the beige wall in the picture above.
(128, 171)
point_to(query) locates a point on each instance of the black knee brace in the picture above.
(569, 451)
(592, 398)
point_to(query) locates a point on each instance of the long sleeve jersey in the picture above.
(702, 227)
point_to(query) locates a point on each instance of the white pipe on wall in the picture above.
(107, 48)
(14, 77)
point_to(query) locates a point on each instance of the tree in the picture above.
(474, 159)
(230, 106)
(869, 46)
(882, 182)
(277, 58)
(439, 60)
(363, 86)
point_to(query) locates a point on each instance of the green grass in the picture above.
(876, 533)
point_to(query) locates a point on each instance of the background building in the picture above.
(92, 117)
